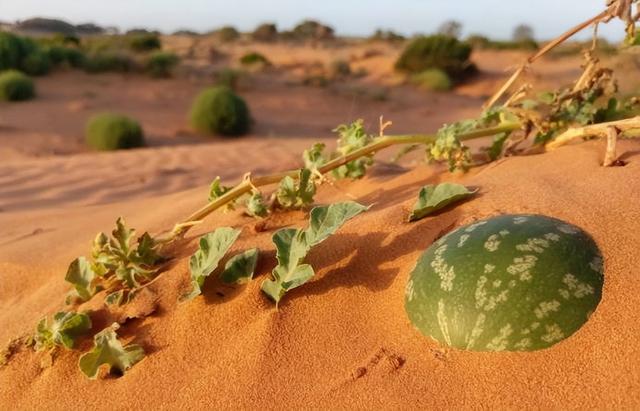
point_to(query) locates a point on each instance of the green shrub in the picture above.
(74, 57)
(218, 110)
(253, 58)
(433, 80)
(15, 86)
(108, 131)
(11, 51)
(36, 63)
(108, 61)
(439, 51)
(144, 42)
(161, 63)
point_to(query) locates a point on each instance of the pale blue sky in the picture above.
(360, 17)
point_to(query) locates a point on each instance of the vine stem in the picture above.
(595, 130)
(249, 182)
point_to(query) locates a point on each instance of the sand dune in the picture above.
(343, 340)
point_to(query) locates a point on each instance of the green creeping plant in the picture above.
(116, 262)
(108, 350)
(509, 283)
(292, 246)
(212, 248)
(293, 194)
(63, 331)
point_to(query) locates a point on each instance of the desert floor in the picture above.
(343, 340)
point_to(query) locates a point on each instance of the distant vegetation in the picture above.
(309, 30)
(15, 86)
(254, 59)
(108, 131)
(437, 52)
(218, 110)
(227, 34)
(433, 80)
(387, 35)
(160, 64)
(266, 32)
(144, 42)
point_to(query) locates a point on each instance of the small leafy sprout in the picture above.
(314, 158)
(433, 198)
(217, 190)
(292, 246)
(240, 268)
(213, 247)
(353, 137)
(256, 206)
(63, 331)
(108, 350)
(117, 263)
(296, 194)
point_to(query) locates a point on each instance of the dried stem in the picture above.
(548, 47)
(610, 154)
(594, 130)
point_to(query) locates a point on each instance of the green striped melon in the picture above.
(509, 283)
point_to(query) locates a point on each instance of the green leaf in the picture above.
(122, 235)
(352, 137)
(433, 198)
(213, 247)
(83, 278)
(256, 207)
(115, 298)
(240, 268)
(313, 158)
(63, 331)
(217, 190)
(326, 220)
(292, 246)
(108, 350)
(296, 194)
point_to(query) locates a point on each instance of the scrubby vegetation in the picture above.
(15, 86)
(218, 110)
(312, 30)
(229, 77)
(161, 63)
(339, 69)
(109, 131)
(144, 42)
(482, 42)
(254, 59)
(227, 34)
(266, 32)
(433, 80)
(437, 52)
(110, 61)
(387, 35)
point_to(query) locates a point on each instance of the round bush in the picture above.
(144, 42)
(433, 80)
(442, 52)
(218, 110)
(251, 59)
(509, 283)
(37, 63)
(10, 51)
(161, 63)
(15, 86)
(109, 131)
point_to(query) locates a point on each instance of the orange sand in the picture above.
(343, 340)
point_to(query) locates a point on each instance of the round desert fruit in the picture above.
(509, 283)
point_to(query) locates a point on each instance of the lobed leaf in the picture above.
(108, 350)
(256, 207)
(314, 158)
(213, 247)
(292, 246)
(433, 198)
(296, 194)
(240, 268)
(65, 328)
(83, 278)
(352, 137)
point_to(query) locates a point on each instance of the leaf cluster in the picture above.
(118, 263)
(293, 245)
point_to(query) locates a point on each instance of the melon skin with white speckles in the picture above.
(508, 283)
